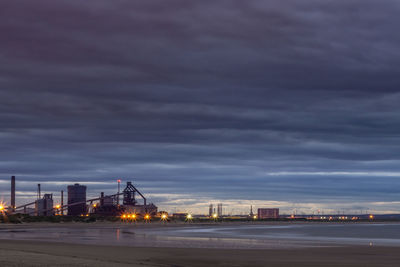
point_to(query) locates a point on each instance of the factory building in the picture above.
(76, 194)
(131, 205)
(107, 206)
(44, 206)
(78, 204)
(219, 210)
(179, 215)
(268, 213)
(106, 201)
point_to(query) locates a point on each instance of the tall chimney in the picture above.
(39, 196)
(101, 199)
(13, 193)
(62, 202)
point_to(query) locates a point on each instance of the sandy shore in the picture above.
(74, 253)
(28, 253)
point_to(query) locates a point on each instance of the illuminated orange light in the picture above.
(1, 207)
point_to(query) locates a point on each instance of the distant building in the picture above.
(108, 201)
(77, 194)
(44, 206)
(268, 213)
(179, 215)
(219, 210)
(210, 210)
(131, 205)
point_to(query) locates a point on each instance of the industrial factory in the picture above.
(130, 205)
(77, 204)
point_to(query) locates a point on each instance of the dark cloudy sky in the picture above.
(290, 104)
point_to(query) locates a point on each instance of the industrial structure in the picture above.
(77, 196)
(12, 193)
(107, 206)
(79, 205)
(219, 210)
(134, 205)
(268, 213)
(131, 204)
(212, 213)
(251, 214)
(44, 206)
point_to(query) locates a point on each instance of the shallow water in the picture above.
(215, 236)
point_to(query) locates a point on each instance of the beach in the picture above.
(28, 253)
(268, 244)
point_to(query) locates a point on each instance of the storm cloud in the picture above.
(242, 102)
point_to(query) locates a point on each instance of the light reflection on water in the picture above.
(221, 236)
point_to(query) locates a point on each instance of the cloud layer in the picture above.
(205, 101)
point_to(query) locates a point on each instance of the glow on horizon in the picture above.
(336, 173)
(198, 204)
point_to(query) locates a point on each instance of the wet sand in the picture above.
(107, 244)
(222, 235)
(29, 253)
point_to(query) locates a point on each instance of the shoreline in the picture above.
(39, 252)
(210, 223)
(30, 253)
(275, 235)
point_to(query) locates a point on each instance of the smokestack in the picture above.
(62, 202)
(101, 199)
(13, 193)
(39, 196)
(119, 184)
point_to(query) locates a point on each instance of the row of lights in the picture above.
(164, 216)
(128, 216)
(371, 217)
(133, 216)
